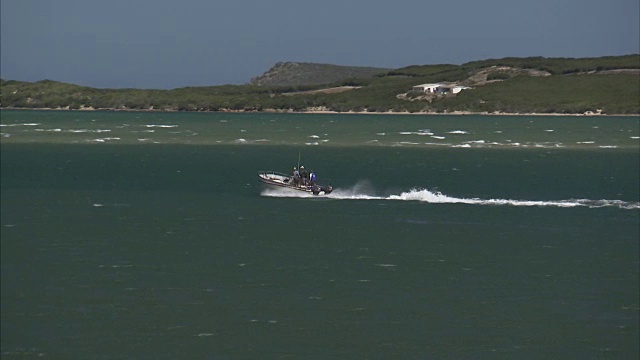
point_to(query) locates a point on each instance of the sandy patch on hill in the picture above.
(333, 90)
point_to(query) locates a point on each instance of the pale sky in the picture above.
(165, 44)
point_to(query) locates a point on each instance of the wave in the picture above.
(363, 191)
(78, 131)
(160, 126)
(104, 139)
(25, 124)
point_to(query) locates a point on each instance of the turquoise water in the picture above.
(127, 243)
(432, 131)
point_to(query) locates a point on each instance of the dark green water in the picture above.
(171, 250)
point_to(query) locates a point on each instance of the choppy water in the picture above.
(327, 130)
(511, 238)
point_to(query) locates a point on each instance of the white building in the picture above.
(439, 88)
(453, 89)
(427, 88)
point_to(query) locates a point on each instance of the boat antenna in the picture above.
(298, 159)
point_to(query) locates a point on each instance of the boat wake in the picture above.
(363, 191)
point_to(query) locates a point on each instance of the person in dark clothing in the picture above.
(304, 175)
(296, 177)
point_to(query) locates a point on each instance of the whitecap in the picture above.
(79, 131)
(402, 143)
(314, 136)
(459, 132)
(438, 137)
(160, 126)
(437, 144)
(419, 132)
(25, 124)
(105, 139)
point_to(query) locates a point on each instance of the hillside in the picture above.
(607, 85)
(303, 73)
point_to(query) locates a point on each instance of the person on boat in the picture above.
(312, 178)
(296, 176)
(304, 175)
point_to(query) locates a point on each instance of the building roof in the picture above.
(428, 85)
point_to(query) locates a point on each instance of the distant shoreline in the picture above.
(325, 112)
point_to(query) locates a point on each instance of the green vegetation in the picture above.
(426, 70)
(563, 66)
(573, 94)
(514, 85)
(301, 73)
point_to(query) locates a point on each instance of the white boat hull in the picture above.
(278, 180)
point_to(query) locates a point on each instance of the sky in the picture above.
(165, 44)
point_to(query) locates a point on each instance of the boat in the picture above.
(278, 180)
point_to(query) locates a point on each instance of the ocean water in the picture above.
(148, 235)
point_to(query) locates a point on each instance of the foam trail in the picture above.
(362, 191)
(431, 197)
(285, 193)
